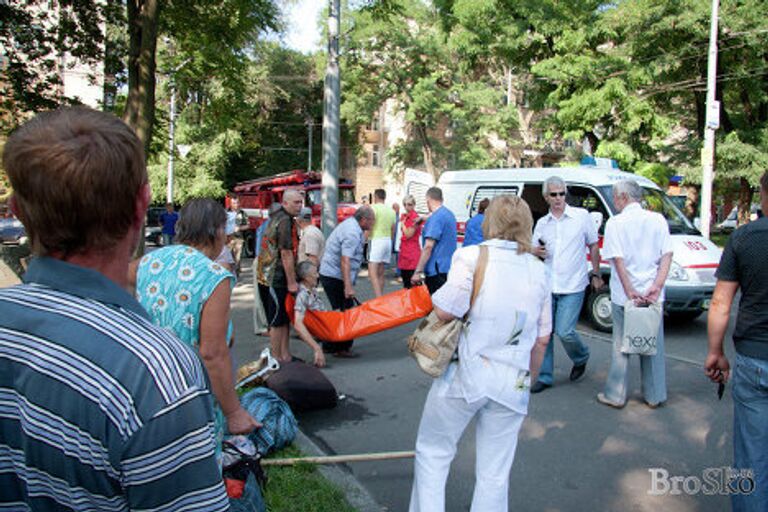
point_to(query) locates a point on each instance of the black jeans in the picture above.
(435, 282)
(406, 275)
(334, 289)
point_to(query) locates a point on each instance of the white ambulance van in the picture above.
(691, 279)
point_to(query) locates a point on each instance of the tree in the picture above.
(219, 34)
(407, 57)
(246, 121)
(34, 36)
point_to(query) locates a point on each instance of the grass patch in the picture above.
(301, 487)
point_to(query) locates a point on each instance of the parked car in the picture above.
(12, 231)
(731, 222)
(153, 233)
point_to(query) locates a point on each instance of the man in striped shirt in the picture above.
(99, 409)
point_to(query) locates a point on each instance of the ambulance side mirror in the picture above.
(697, 223)
(597, 218)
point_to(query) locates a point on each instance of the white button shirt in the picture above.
(640, 237)
(566, 240)
(512, 309)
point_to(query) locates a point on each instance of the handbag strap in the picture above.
(479, 276)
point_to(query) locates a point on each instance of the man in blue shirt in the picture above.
(439, 243)
(168, 222)
(338, 269)
(473, 229)
(100, 409)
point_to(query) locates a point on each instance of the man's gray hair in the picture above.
(303, 269)
(364, 212)
(292, 192)
(555, 181)
(630, 188)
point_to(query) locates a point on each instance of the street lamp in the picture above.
(171, 132)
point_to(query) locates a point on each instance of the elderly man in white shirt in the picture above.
(639, 247)
(561, 238)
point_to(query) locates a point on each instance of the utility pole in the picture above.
(309, 143)
(712, 124)
(331, 128)
(171, 143)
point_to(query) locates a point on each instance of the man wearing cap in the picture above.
(312, 242)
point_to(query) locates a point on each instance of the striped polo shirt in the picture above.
(99, 409)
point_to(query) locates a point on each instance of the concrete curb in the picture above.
(357, 495)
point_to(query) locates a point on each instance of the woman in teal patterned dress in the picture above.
(182, 289)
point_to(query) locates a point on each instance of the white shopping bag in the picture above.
(641, 328)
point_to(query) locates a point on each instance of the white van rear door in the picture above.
(416, 184)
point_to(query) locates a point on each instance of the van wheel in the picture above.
(599, 310)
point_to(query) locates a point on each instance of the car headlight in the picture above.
(677, 273)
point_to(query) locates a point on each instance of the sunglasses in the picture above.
(410, 204)
(557, 194)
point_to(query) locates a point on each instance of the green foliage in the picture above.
(622, 153)
(656, 172)
(740, 159)
(239, 127)
(451, 110)
(33, 36)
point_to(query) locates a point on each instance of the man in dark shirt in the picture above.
(744, 266)
(275, 271)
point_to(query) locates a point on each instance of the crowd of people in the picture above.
(116, 376)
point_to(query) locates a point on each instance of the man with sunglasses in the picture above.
(561, 239)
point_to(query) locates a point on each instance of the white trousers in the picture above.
(442, 423)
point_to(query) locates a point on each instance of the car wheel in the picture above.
(680, 317)
(599, 310)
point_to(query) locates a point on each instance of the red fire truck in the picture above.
(255, 197)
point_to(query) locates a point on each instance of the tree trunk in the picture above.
(143, 16)
(593, 141)
(692, 201)
(427, 151)
(745, 201)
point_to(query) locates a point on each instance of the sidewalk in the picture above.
(573, 453)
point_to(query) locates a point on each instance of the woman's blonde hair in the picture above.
(509, 218)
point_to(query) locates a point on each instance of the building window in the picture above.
(374, 123)
(568, 144)
(375, 156)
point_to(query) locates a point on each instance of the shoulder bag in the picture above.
(434, 342)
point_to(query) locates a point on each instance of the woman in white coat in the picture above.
(499, 354)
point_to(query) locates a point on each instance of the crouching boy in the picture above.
(307, 298)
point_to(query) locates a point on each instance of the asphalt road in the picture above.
(573, 454)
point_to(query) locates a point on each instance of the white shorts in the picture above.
(380, 250)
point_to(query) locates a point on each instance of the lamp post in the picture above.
(171, 133)
(712, 124)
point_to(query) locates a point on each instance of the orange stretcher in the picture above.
(375, 315)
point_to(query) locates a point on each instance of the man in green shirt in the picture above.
(382, 234)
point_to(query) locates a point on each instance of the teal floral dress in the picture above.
(173, 284)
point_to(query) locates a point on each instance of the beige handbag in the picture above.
(434, 341)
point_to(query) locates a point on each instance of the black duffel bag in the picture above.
(303, 386)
